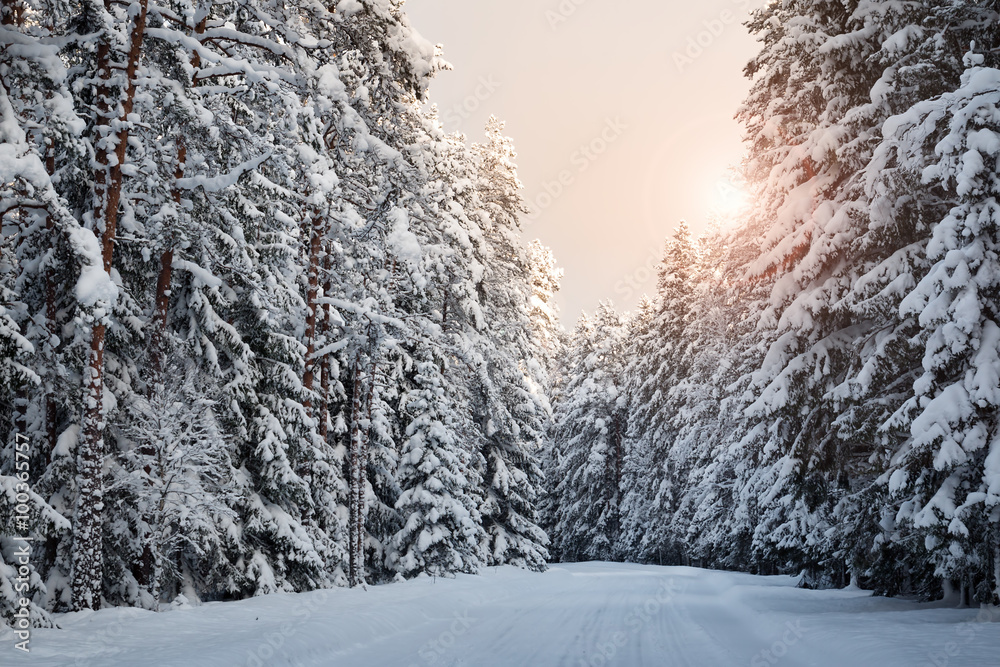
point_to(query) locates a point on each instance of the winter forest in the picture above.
(815, 386)
(266, 326)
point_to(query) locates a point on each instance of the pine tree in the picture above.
(943, 478)
(543, 312)
(511, 404)
(589, 435)
(239, 229)
(51, 276)
(181, 481)
(120, 47)
(657, 355)
(441, 523)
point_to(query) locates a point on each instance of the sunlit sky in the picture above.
(629, 104)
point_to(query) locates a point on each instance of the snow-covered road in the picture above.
(581, 615)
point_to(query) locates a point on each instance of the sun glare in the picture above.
(728, 199)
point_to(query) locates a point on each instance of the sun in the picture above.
(728, 198)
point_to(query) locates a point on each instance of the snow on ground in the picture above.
(580, 615)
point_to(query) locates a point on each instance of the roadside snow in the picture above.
(580, 615)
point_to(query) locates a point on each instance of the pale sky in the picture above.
(630, 103)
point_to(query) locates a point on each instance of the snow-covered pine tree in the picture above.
(441, 529)
(657, 354)
(15, 475)
(807, 78)
(943, 479)
(589, 432)
(700, 421)
(810, 143)
(52, 273)
(511, 408)
(718, 521)
(273, 210)
(435, 270)
(179, 475)
(544, 312)
(113, 83)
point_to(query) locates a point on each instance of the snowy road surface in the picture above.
(581, 615)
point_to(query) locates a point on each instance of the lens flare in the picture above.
(728, 199)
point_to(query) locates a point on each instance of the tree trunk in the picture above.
(87, 543)
(50, 306)
(325, 366)
(162, 303)
(313, 260)
(618, 454)
(355, 529)
(996, 574)
(12, 13)
(365, 439)
(51, 423)
(316, 233)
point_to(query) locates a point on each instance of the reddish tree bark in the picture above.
(12, 12)
(162, 302)
(87, 539)
(163, 280)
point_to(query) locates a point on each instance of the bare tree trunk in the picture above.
(312, 307)
(618, 473)
(87, 543)
(996, 573)
(313, 261)
(51, 424)
(325, 366)
(618, 452)
(355, 529)
(324, 400)
(50, 304)
(20, 415)
(364, 437)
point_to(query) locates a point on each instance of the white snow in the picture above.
(577, 615)
(401, 240)
(222, 181)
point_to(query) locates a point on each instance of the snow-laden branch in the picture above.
(223, 181)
